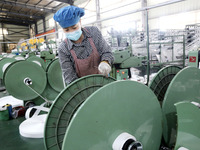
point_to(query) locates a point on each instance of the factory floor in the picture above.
(10, 138)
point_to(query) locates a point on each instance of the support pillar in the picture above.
(98, 14)
(144, 23)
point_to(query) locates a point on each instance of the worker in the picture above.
(84, 51)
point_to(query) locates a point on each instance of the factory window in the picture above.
(51, 22)
(4, 31)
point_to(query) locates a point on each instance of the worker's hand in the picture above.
(104, 68)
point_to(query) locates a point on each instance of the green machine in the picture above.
(194, 59)
(27, 52)
(123, 61)
(31, 51)
(24, 52)
(38, 46)
(122, 74)
(95, 112)
(53, 46)
(47, 54)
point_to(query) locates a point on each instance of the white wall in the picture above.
(176, 8)
(176, 21)
(174, 16)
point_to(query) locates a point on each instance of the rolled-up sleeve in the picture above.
(103, 48)
(66, 64)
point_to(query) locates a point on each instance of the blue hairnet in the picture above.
(68, 16)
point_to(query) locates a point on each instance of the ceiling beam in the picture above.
(19, 10)
(14, 20)
(49, 3)
(58, 6)
(38, 2)
(71, 2)
(38, 8)
(14, 23)
(10, 8)
(20, 14)
(27, 2)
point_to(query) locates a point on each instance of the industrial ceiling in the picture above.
(26, 12)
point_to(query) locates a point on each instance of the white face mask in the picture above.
(75, 35)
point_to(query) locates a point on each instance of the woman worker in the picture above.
(84, 51)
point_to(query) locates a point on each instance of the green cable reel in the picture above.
(54, 75)
(39, 61)
(115, 109)
(92, 115)
(4, 63)
(66, 105)
(161, 81)
(185, 86)
(188, 135)
(25, 80)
